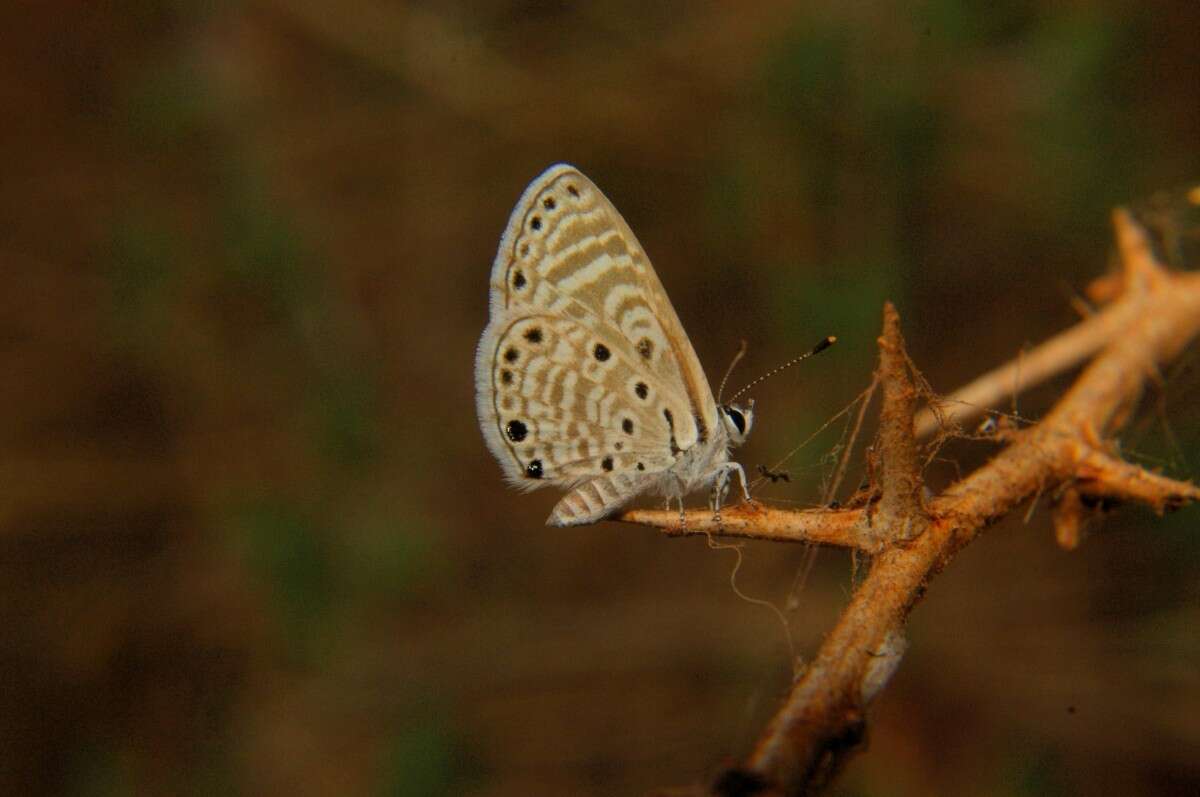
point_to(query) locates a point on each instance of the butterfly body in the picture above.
(584, 376)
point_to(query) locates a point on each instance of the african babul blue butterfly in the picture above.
(584, 377)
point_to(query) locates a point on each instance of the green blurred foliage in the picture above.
(1033, 772)
(285, 549)
(424, 759)
(142, 267)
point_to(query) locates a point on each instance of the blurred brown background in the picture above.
(252, 541)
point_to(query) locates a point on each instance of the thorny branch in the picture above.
(1069, 454)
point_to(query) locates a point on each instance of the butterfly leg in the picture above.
(682, 513)
(720, 489)
(721, 477)
(716, 497)
(742, 477)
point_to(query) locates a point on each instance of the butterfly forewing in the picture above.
(568, 249)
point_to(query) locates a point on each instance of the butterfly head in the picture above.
(738, 420)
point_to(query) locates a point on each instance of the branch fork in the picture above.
(1067, 454)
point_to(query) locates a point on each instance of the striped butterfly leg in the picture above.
(597, 498)
(721, 476)
(682, 514)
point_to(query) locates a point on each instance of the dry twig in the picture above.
(823, 717)
(837, 527)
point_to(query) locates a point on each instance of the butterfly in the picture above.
(584, 377)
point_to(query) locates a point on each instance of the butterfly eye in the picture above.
(738, 420)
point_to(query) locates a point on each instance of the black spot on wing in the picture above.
(516, 431)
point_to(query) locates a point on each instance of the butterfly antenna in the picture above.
(820, 347)
(736, 358)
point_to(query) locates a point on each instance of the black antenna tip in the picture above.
(825, 343)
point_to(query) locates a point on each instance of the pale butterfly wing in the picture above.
(584, 376)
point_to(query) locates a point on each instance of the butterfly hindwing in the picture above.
(567, 404)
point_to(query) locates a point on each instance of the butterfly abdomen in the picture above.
(596, 499)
